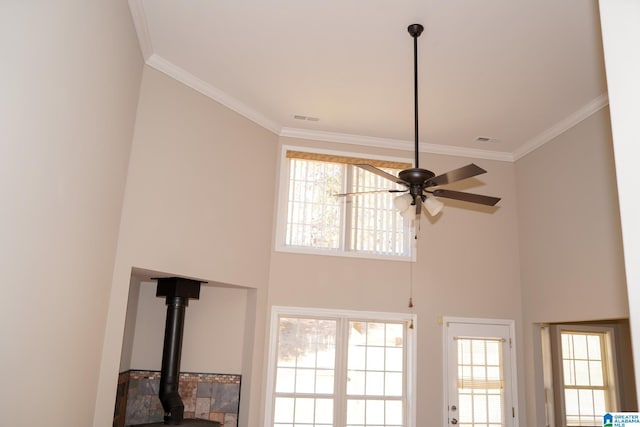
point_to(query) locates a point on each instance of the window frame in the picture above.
(610, 368)
(410, 348)
(282, 209)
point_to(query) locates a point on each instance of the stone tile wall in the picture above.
(214, 397)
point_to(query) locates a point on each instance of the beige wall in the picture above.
(570, 242)
(199, 204)
(69, 81)
(214, 330)
(128, 336)
(467, 266)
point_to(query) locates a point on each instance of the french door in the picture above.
(480, 388)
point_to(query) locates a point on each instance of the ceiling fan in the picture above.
(421, 184)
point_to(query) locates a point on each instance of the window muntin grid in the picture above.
(310, 379)
(584, 377)
(313, 212)
(376, 226)
(480, 382)
(376, 374)
(364, 224)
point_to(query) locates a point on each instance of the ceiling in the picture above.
(517, 72)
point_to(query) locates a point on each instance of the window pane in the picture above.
(579, 346)
(375, 358)
(571, 402)
(304, 410)
(480, 382)
(324, 381)
(394, 335)
(375, 384)
(393, 413)
(315, 218)
(393, 384)
(355, 384)
(582, 372)
(324, 411)
(394, 360)
(355, 412)
(599, 402)
(478, 351)
(305, 381)
(285, 380)
(595, 373)
(314, 214)
(375, 347)
(584, 377)
(283, 411)
(357, 357)
(377, 226)
(594, 345)
(375, 333)
(375, 412)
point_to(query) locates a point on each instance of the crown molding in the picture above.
(167, 67)
(395, 144)
(564, 125)
(210, 91)
(142, 29)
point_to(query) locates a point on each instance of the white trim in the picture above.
(396, 144)
(567, 123)
(352, 314)
(156, 61)
(512, 355)
(183, 76)
(139, 18)
(345, 138)
(411, 348)
(161, 64)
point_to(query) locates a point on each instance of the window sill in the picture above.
(339, 253)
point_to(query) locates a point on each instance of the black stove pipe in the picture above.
(177, 292)
(170, 372)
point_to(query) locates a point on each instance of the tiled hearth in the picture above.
(214, 397)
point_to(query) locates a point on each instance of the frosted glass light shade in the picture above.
(433, 205)
(402, 203)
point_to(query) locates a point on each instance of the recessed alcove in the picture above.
(218, 328)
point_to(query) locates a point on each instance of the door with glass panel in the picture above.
(480, 379)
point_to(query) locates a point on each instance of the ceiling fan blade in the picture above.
(466, 197)
(357, 193)
(381, 173)
(464, 172)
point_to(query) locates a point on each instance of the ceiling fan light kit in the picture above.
(422, 184)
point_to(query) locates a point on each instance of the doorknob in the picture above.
(454, 421)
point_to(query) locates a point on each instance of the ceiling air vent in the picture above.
(308, 118)
(485, 139)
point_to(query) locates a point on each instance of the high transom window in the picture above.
(314, 219)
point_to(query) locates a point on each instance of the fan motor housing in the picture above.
(415, 176)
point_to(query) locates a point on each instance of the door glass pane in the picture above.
(480, 382)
